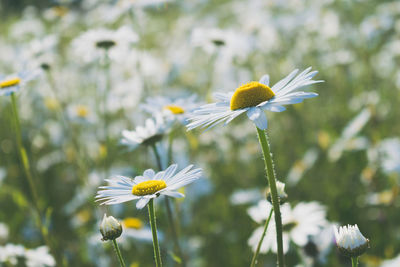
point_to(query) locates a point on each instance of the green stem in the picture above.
(171, 220)
(118, 252)
(254, 259)
(152, 216)
(269, 166)
(25, 162)
(354, 261)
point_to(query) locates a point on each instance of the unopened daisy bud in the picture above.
(110, 228)
(350, 241)
(280, 187)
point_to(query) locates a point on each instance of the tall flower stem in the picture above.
(118, 252)
(354, 261)
(254, 259)
(27, 170)
(269, 167)
(171, 220)
(152, 216)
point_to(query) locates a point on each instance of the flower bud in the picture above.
(350, 241)
(280, 187)
(110, 228)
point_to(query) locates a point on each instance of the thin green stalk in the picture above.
(254, 259)
(269, 166)
(354, 261)
(118, 252)
(27, 170)
(171, 220)
(152, 216)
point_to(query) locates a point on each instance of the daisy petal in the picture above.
(258, 117)
(265, 80)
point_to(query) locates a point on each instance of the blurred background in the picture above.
(340, 150)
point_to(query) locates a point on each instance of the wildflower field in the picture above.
(200, 133)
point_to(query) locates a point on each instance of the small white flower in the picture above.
(179, 108)
(92, 44)
(12, 83)
(254, 98)
(146, 187)
(299, 223)
(110, 228)
(152, 132)
(350, 240)
(39, 257)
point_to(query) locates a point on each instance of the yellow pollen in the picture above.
(148, 187)
(82, 111)
(9, 83)
(175, 109)
(133, 223)
(251, 94)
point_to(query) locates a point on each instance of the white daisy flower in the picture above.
(179, 108)
(299, 223)
(152, 132)
(12, 83)
(395, 262)
(146, 187)
(253, 98)
(350, 240)
(92, 44)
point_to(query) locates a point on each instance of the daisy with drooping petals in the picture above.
(146, 187)
(253, 98)
(152, 132)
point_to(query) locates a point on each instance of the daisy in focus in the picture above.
(300, 223)
(13, 83)
(149, 134)
(148, 186)
(179, 108)
(254, 98)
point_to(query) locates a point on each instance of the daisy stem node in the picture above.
(118, 252)
(269, 167)
(25, 162)
(354, 261)
(152, 216)
(254, 259)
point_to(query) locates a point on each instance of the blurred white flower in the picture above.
(178, 108)
(253, 98)
(395, 262)
(93, 44)
(149, 134)
(39, 257)
(387, 154)
(14, 82)
(299, 223)
(348, 139)
(301, 166)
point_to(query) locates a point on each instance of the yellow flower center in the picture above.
(133, 223)
(82, 111)
(10, 82)
(148, 187)
(251, 94)
(175, 109)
